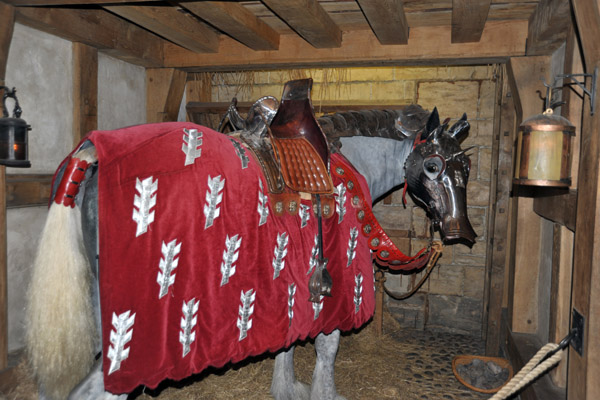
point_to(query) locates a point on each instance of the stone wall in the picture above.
(452, 299)
(40, 67)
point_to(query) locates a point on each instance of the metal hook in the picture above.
(561, 345)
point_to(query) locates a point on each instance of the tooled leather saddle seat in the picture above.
(299, 144)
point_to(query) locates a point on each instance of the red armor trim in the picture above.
(384, 251)
(69, 185)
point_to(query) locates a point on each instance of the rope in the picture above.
(437, 247)
(531, 371)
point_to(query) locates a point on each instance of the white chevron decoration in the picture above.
(187, 324)
(280, 253)
(230, 256)
(244, 323)
(167, 264)
(119, 337)
(192, 140)
(143, 202)
(214, 196)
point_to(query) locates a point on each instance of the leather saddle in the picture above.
(288, 143)
(299, 143)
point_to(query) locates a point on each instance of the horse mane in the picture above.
(374, 123)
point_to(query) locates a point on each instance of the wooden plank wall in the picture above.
(584, 369)
(502, 157)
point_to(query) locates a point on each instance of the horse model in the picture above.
(168, 249)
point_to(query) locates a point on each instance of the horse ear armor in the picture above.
(460, 129)
(432, 123)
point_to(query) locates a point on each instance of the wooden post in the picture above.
(85, 90)
(562, 263)
(499, 217)
(584, 368)
(164, 91)
(524, 75)
(7, 20)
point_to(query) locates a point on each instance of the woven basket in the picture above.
(462, 360)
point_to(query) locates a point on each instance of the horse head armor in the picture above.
(437, 172)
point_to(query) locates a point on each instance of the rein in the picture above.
(384, 252)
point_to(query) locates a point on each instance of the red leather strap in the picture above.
(384, 251)
(69, 185)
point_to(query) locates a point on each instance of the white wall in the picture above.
(121, 93)
(40, 67)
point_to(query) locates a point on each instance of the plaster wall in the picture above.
(121, 93)
(40, 67)
(452, 299)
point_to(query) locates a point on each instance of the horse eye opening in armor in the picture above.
(434, 166)
(431, 167)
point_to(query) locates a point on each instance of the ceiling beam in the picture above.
(387, 20)
(97, 28)
(309, 20)
(548, 27)
(236, 21)
(70, 2)
(168, 22)
(7, 22)
(468, 19)
(427, 45)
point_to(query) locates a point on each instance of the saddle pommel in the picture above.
(299, 142)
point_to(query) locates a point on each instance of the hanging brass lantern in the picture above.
(544, 151)
(13, 134)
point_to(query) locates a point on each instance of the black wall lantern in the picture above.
(13, 134)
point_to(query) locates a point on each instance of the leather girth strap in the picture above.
(298, 141)
(384, 251)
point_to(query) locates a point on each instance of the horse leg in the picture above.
(92, 387)
(323, 384)
(284, 385)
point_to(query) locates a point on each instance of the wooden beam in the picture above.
(168, 22)
(584, 369)
(85, 90)
(164, 91)
(236, 21)
(427, 45)
(71, 2)
(548, 27)
(387, 20)
(498, 225)
(26, 190)
(468, 19)
(561, 208)
(309, 20)
(324, 107)
(97, 28)
(560, 312)
(524, 77)
(7, 22)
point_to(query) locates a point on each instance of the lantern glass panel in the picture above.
(545, 155)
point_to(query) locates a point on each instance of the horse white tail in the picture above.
(61, 332)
